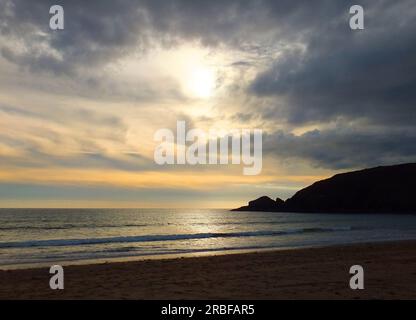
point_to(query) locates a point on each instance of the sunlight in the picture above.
(200, 82)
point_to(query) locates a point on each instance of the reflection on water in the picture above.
(52, 235)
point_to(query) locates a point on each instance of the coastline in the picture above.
(301, 273)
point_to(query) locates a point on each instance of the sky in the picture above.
(79, 106)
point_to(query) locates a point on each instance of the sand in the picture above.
(313, 273)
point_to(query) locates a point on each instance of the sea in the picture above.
(39, 237)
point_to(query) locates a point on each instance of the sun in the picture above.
(201, 82)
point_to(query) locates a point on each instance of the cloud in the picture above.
(341, 148)
(60, 135)
(309, 68)
(97, 32)
(369, 74)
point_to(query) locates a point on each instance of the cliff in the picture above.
(376, 190)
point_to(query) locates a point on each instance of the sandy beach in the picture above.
(313, 273)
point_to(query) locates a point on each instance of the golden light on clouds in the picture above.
(96, 131)
(148, 179)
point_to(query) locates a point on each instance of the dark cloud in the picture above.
(367, 74)
(99, 31)
(342, 148)
(358, 80)
(95, 32)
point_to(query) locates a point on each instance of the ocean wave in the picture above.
(167, 237)
(133, 225)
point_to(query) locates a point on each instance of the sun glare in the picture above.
(201, 82)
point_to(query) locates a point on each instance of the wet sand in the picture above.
(312, 273)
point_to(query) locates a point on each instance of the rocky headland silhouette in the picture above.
(384, 189)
